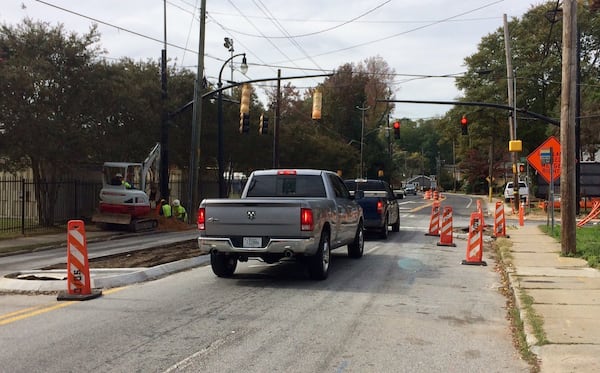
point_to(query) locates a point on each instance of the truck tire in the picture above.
(357, 247)
(318, 265)
(223, 265)
(384, 230)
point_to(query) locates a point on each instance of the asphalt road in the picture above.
(407, 305)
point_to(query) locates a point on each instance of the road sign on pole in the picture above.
(538, 159)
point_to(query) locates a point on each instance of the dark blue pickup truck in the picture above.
(379, 204)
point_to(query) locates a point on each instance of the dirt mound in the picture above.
(172, 224)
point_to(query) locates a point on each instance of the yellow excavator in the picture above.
(125, 197)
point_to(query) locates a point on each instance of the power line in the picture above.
(114, 26)
(408, 31)
(287, 35)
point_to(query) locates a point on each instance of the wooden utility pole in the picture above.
(567, 128)
(194, 189)
(512, 122)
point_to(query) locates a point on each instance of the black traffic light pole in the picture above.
(480, 104)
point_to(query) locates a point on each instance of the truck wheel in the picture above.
(318, 265)
(356, 248)
(223, 265)
(384, 229)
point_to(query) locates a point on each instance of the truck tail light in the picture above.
(201, 219)
(380, 207)
(306, 220)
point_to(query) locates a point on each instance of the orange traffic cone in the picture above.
(446, 230)
(475, 241)
(434, 221)
(78, 269)
(436, 195)
(427, 194)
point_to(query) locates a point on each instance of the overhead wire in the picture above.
(287, 35)
(407, 31)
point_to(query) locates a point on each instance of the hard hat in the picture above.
(118, 175)
(176, 202)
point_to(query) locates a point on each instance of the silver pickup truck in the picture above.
(282, 214)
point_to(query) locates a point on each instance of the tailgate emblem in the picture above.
(251, 214)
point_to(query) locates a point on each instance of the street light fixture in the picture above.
(228, 44)
(243, 69)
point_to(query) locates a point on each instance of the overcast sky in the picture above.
(415, 37)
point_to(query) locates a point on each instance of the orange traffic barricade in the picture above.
(499, 221)
(475, 241)
(434, 221)
(446, 228)
(79, 285)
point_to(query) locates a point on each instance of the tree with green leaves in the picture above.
(536, 54)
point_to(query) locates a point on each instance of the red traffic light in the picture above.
(464, 125)
(396, 130)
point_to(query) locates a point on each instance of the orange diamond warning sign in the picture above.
(546, 156)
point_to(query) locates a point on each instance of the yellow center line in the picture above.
(25, 313)
(35, 312)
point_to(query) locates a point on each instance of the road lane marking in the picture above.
(28, 312)
(25, 313)
(373, 249)
(188, 361)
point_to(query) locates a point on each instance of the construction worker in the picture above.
(120, 181)
(179, 211)
(165, 209)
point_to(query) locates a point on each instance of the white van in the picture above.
(508, 191)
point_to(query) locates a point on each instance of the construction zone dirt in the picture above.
(143, 258)
(149, 257)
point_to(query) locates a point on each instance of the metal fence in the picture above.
(20, 211)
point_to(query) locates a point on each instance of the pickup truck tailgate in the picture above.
(228, 218)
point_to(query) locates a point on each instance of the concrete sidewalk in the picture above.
(563, 292)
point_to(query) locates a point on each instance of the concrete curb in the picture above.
(102, 278)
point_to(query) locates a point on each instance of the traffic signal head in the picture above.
(396, 130)
(464, 123)
(521, 167)
(263, 125)
(317, 102)
(245, 100)
(244, 123)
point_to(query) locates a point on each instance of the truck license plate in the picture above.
(252, 242)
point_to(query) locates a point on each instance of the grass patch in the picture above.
(535, 320)
(502, 248)
(587, 240)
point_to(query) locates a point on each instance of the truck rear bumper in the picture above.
(284, 246)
